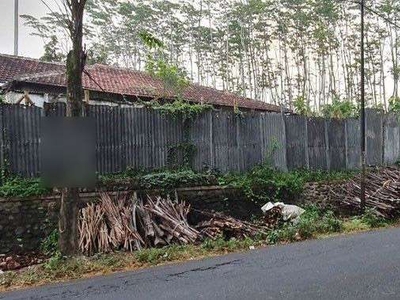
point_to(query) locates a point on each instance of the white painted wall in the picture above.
(40, 99)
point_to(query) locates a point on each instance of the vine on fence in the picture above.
(188, 152)
(179, 108)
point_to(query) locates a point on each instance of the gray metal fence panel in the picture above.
(391, 137)
(353, 144)
(225, 141)
(151, 139)
(56, 109)
(201, 136)
(317, 144)
(109, 138)
(374, 137)
(21, 139)
(337, 144)
(273, 140)
(296, 142)
(249, 141)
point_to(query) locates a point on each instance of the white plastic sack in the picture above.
(289, 212)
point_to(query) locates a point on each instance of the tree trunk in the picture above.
(69, 211)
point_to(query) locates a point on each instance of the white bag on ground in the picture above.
(290, 213)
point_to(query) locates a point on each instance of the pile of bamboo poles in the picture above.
(108, 226)
(129, 224)
(382, 193)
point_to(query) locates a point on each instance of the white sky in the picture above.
(30, 46)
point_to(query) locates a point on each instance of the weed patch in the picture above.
(19, 187)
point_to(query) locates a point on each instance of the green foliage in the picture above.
(152, 255)
(180, 108)
(301, 106)
(150, 40)
(312, 223)
(273, 147)
(19, 187)
(186, 150)
(51, 51)
(394, 104)
(222, 245)
(2, 99)
(340, 109)
(372, 220)
(169, 180)
(55, 263)
(49, 245)
(325, 176)
(162, 180)
(173, 77)
(264, 183)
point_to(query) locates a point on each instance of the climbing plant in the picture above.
(180, 108)
(181, 155)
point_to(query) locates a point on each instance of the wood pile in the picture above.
(220, 225)
(132, 224)
(164, 222)
(382, 193)
(129, 224)
(108, 226)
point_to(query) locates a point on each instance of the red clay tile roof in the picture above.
(115, 80)
(13, 66)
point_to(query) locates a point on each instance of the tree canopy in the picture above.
(278, 51)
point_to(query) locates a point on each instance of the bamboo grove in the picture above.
(303, 54)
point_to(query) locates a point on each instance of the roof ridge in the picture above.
(38, 75)
(119, 68)
(31, 59)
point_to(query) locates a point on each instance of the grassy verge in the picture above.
(313, 224)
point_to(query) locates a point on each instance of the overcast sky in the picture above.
(30, 46)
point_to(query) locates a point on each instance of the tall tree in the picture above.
(276, 51)
(76, 58)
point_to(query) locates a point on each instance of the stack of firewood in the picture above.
(132, 224)
(220, 225)
(382, 193)
(129, 224)
(163, 222)
(108, 226)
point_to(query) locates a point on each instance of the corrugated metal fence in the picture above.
(140, 138)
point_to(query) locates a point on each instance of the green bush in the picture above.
(372, 220)
(19, 187)
(266, 184)
(49, 245)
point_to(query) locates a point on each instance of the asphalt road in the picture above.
(365, 266)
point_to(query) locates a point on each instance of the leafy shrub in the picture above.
(314, 221)
(394, 104)
(19, 187)
(301, 106)
(49, 245)
(169, 180)
(372, 220)
(264, 183)
(340, 109)
(163, 180)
